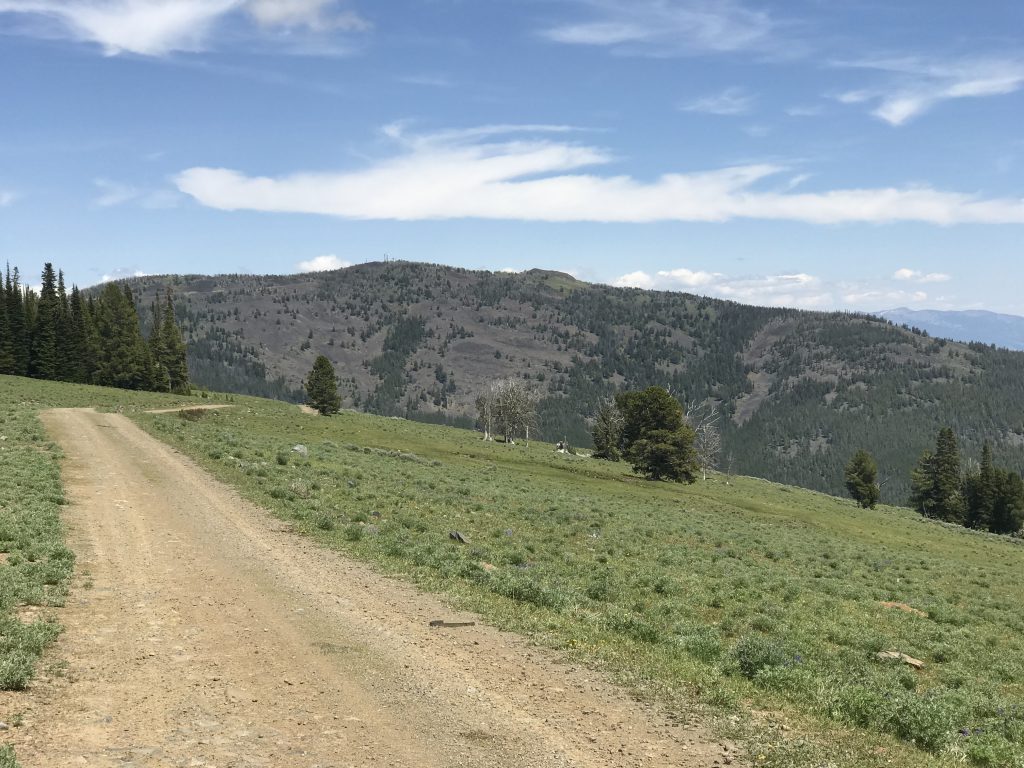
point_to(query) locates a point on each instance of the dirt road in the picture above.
(200, 633)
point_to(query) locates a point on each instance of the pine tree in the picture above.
(322, 387)
(175, 353)
(922, 485)
(17, 323)
(862, 479)
(6, 350)
(64, 351)
(157, 351)
(123, 358)
(948, 480)
(655, 437)
(979, 492)
(1007, 515)
(45, 362)
(83, 348)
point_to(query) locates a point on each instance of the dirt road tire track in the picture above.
(203, 634)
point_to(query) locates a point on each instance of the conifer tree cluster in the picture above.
(985, 497)
(62, 337)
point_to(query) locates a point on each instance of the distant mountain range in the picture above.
(1005, 331)
(799, 392)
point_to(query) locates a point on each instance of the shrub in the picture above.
(756, 652)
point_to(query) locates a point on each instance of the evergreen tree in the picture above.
(922, 485)
(655, 437)
(6, 350)
(979, 492)
(174, 352)
(1007, 514)
(64, 350)
(83, 348)
(17, 323)
(948, 480)
(322, 387)
(157, 351)
(862, 479)
(45, 362)
(123, 358)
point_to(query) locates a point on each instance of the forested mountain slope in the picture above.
(800, 391)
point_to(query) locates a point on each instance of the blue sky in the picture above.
(863, 157)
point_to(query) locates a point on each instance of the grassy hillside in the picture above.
(746, 596)
(800, 391)
(727, 598)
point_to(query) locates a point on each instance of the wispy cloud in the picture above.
(114, 193)
(796, 289)
(318, 15)
(161, 27)
(915, 85)
(805, 110)
(916, 276)
(731, 101)
(7, 198)
(669, 27)
(524, 173)
(322, 264)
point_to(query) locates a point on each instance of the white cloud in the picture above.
(731, 101)
(161, 27)
(882, 299)
(123, 273)
(669, 27)
(797, 289)
(6, 198)
(639, 279)
(921, 277)
(322, 264)
(790, 290)
(916, 85)
(494, 173)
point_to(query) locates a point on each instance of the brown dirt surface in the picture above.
(202, 633)
(209, 407)
(905, 608)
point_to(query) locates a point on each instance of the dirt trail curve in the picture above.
(211, 637)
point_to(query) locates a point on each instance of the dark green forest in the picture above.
(89, 340)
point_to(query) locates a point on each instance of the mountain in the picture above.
(799, 391)
(979, 325)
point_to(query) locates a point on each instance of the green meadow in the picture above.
(750, 603)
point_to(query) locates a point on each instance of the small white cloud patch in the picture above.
(322, 264)
(914, 275)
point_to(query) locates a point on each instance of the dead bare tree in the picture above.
(510, 406)
(485, 407)
(704, 419)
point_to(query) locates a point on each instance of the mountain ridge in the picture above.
(966, 325)
(799, 391)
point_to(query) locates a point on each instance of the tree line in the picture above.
(980, 496)
(65, 336)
